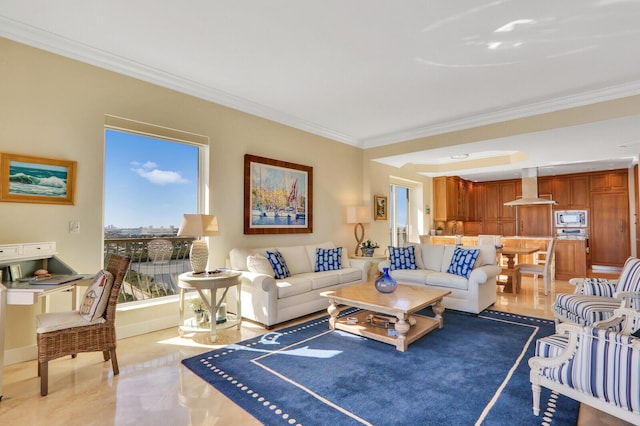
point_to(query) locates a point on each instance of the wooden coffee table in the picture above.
(400, 304)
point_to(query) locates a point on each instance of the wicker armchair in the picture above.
(67, 333)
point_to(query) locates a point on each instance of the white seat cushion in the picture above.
(54, 321)
(291, 286)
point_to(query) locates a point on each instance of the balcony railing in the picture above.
(156, 264)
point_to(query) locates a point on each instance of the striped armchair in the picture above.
(596, 299)
(594, 366)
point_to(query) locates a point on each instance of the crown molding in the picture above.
(551, 105)
(54, 43)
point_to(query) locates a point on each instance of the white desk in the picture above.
(210, 283)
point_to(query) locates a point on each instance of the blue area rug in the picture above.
(472, 371)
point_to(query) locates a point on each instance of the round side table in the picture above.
(207, 286)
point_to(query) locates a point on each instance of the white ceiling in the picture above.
(374, 72)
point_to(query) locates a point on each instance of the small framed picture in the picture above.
(380, 207)
(15, 271)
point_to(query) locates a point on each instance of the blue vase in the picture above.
(386, 284)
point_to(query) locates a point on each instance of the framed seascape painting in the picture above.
(380, 206)
(278, 197)
(26, 179)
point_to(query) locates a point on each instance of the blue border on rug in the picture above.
(472, 371)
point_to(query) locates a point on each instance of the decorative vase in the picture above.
(385, 283)
(368, 252)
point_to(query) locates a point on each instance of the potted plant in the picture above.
(368, 247)
(439, 230)
(200, 309)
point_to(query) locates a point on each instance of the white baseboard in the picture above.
(21, 354)
(144, 327)
(29, 353)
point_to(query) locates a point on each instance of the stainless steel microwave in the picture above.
(571, 218)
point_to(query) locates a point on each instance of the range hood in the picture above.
(529, 190)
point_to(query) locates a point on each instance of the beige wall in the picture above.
(55, 107)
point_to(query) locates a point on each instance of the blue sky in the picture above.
(148, 182)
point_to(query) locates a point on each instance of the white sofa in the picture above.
(471, 294)
(270, 301)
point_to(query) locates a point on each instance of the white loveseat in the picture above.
(471, 294)
(270, 301)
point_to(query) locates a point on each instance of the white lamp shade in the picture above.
(198, 225)
(358, 214)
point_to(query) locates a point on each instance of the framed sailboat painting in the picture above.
(278, 196)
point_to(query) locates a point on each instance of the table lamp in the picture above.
(358, 215)
(198, 225)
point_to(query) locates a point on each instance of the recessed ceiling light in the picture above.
(459, 156)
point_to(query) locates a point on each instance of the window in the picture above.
(151, 178)
(399, 218)
(406, 215)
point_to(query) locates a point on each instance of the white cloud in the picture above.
(150, 172)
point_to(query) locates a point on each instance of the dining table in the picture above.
(512, 271)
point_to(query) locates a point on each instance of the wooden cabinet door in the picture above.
(562, 192)
(579, 192)
(507, 193)
(545, 186)
(507, 227)
(609, 228)
(570, 260)
(492, 227)
(440, 199)
(610, 181)
(617, 180)
(534, 221)
(493, 207)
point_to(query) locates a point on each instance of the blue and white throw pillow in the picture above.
(462, 261)
(402, 258)
(328, 259)
(278, 264)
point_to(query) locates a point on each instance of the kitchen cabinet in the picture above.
(535, 220)
(615, 180)
(609, 229)
(498, 218)
(473, 228)
(571, 259)
(449, 193)
(571, 192)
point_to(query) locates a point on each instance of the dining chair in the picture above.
(545, 269)
(69, 333)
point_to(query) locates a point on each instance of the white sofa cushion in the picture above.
(447, 254)
(260, 265)
(297, 259)
(418, 276)
(293, 285)
(323, 279)
(349, 275)
(444, 279)
(432, 256)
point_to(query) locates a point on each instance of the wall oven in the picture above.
(571, 218)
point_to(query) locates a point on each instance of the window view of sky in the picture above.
(148, 182)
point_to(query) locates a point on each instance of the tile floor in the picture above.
(153, 387)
